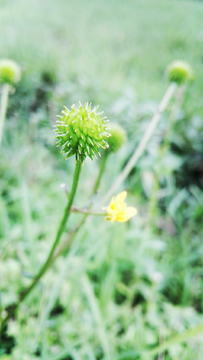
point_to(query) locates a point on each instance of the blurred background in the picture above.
(121, 288)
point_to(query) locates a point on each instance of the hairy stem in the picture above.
(143, 143)
(48, 261)
(4, 103)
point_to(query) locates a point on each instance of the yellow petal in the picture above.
(122, 220)
(118, 210)
(131, 211)
(121, 197)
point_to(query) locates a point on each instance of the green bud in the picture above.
(81, 132)
(10, 72)
(179, 71)
(118, 137)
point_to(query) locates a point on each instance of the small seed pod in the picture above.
(179, 71)
(118, 137)
(81, 132)
(10, 72)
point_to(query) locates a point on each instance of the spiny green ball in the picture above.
(10, 72)
(82, 132)
(118, 137)
(179, 71)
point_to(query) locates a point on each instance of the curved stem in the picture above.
(48, 262)
(66, 212)
(143, 143)
(4, 103)
(101, 171)
(86, 211)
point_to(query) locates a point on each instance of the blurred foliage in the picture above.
(121, 287)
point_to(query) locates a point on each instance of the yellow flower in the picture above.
(118, 209)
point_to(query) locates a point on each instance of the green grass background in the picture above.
(122, 288)
(115, 44)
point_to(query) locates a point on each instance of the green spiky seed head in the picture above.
(10, 72)
(82, 132)
(179, 71)
(118, 137)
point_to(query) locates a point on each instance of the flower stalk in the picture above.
(48, 261)
(101, 172)
(86, 211)
(164, 148)
(3, 108)
(84, 125)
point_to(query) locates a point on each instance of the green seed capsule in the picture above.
(81, 132)
(10, 72)
(118, 137)
(179, 71)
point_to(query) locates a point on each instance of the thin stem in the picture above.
(4, 103)
(66, 212)
(101, 171)
(143, 143)
(48, 262)
(67, 242)
(179, 96)
(164, 148)
(54, 254)
(86, 211)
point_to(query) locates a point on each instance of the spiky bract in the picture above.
(82, 132)
(179, 71)
(118, 137)
(10, 72)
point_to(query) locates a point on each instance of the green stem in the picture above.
(53, 255)
(60, 249)
(48, 262)
(164, 148)
(179, 96)
(4, 103)
(87, 211)
(101, 172)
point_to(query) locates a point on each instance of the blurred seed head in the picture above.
(82, 132)
(118, 137)
(179, 71)
(10, 72)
